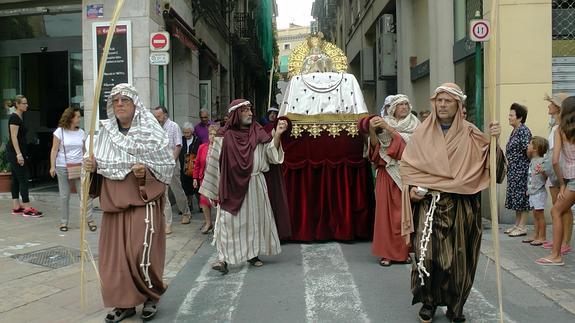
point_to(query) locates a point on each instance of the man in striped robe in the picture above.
(234, 181)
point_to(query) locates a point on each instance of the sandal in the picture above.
(63, 228)
(385, 262)
(510, 229)
(452, 318)
(221, 266)
(208, 229)
(536, 243)
(256, 262)
(118, 314)
(92, 226)
(426, 313)
(518, 232)
(149, 310)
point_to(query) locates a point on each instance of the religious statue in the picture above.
(316, 60)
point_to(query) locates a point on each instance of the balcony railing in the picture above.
(244, 25)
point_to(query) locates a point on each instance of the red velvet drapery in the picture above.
(329, 187)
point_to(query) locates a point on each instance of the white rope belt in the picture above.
(426, 236)
(145, 264)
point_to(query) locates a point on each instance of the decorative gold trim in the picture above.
(325, 118)
(315, 129)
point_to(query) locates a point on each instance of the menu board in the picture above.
(119, 63)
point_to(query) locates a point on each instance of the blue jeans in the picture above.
(64, 189)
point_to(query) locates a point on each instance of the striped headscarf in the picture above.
(145, 143)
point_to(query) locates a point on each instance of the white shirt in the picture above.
(74, 141)
(174, 133)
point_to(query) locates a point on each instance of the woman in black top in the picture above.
(17, 153)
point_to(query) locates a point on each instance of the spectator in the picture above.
(17, 155)
(516, 152)
(188, 153)
(554, 109)
(199, 171)
(564, 146)
(175, 143)
(201, 129)
(68, 148)
(536, 189)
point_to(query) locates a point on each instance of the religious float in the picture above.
(328, 181)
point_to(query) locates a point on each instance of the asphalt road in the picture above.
(332, 282)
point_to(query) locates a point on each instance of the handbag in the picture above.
(501, 167)
(190, 159)
(74, 169)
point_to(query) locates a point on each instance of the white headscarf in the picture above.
(145, 143)
(405, 127)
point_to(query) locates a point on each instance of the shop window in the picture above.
(36, 26)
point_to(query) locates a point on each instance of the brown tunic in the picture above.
(122, 240)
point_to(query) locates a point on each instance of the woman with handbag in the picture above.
(17, 153)
(66, 163)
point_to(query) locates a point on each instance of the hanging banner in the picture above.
(119, 64)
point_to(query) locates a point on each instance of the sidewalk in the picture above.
(555, 282)
(39, 293)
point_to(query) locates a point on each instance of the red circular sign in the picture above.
(159, 41)
(480, 30)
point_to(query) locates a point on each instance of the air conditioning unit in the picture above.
(386, 47)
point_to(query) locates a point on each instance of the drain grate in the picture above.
(55, 257)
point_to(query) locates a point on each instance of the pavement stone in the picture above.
(29, 292)
(555, 282)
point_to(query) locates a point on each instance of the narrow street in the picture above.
(333, 282)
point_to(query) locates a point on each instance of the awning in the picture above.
(178, 28)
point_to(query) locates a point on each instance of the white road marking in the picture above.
(224, 290)
(330, 296)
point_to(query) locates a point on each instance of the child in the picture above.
(199, 169)
(536, 148)
(563, 149)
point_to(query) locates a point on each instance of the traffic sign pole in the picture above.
(160, 42)
(161, 84)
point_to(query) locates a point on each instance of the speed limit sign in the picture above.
(479, 30)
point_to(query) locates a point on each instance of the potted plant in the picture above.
(5, 174)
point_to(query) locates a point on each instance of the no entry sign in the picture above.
(160, 41)
(479, 30)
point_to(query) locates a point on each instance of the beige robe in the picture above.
(252, 232)
(126, 205)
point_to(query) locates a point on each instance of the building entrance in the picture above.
(45, 84)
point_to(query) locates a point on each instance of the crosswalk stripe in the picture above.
(330, 295)
(225, 290)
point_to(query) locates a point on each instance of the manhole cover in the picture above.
(55, 257)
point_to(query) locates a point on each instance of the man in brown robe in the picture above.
(444, 167)
(133, 158)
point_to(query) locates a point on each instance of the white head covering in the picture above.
(146, 142)
(405, 127)
(386, 104)
(270, 109)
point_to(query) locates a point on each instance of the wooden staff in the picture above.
(84, 247)
(270, 87)
(493, 51)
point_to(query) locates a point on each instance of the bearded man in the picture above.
(242, 151)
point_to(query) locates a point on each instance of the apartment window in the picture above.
(286, 46)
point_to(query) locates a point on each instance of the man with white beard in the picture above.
(234, 181)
